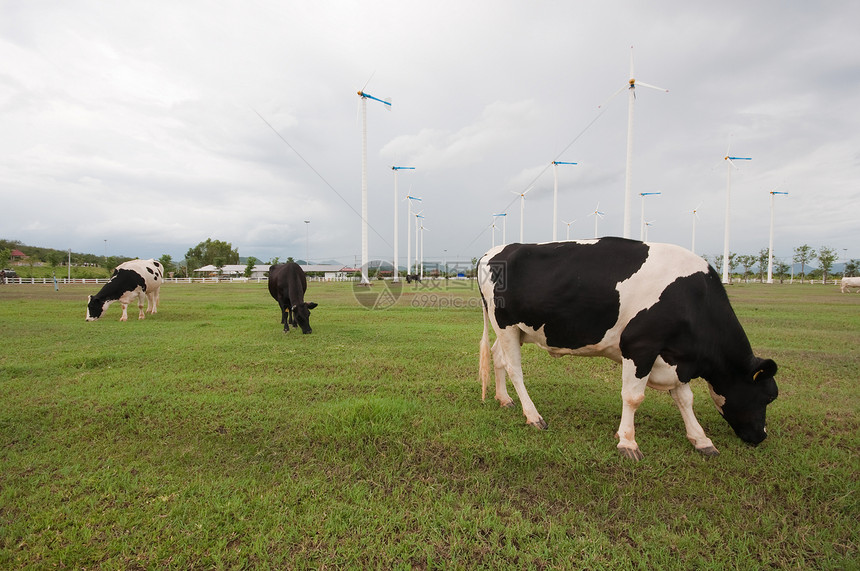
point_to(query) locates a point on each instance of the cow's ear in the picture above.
(312, 305)
(766, 369)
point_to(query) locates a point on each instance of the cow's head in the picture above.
(743, 401)
(95, 307)
(302, 315)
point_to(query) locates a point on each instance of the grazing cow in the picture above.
(657, 309)
(288, 284)
(132, 279)
(849, 283)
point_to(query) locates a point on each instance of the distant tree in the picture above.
(851, 268)
(206, 252)
(54, 258)
(781, 269)
(762, 263)
(249, 268)
(747, 262)
(716, 261)
(166, 261)
(803, 255)
(219, 264)
(733, 264)
(274, 261)
(826, 257)
(290, 259)
(5, 256)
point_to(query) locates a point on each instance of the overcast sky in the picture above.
(144, 128)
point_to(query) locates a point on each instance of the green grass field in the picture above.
(203, 437)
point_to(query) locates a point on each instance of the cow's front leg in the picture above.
(499, 368)
(509, 342)
(632, 395)
(683, 396)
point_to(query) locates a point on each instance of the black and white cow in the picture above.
(288, 284)
(657, 309)
(130, 280)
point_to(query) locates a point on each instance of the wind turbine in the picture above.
(555, 199)
(523, 208)
(567, 237)
(417, 223)
(642, 233)
(504, 216)
(396, 278)
(770, 243)
(647, 224)
(695, 217)
(631, 87)
(364, 97)
(729, 164)
(411, 199)
(597, 214)
(423, 228)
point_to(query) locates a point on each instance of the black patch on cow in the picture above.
(691, 326)
(123, 280)
(567, 287)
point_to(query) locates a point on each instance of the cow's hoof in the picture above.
(708, 451)
(541, 424)
(631, 453)
(507, 404)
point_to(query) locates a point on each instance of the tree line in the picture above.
(756, 265)
(219, 254)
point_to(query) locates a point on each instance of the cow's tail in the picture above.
(484, 367)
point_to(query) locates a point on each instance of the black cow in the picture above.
(657, 309)
(288, 284)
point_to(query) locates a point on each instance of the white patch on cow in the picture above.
(665, 264)
(719, 400)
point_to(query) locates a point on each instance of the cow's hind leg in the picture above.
(140, 299)
(683, 396)
(499, 369)
(632, 395)
(509, 344)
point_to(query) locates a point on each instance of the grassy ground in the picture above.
(203, 437)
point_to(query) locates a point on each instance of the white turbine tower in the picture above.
(729, 164)
(523, 208)
(631, 87)
(411, 199)
(364, 97)
(642, 231)
(568, 228)
(396, 278)
(504, 217)
(597, 215)
(555, 198)
(770, 242)
(423, 228)
(418, 223)
(695, 217)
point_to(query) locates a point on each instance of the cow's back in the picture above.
(287, 281)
